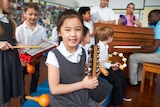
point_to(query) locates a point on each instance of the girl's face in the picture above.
(6, 6)
(31, 15)
(130, 9)
(87, 16)
(71, 32)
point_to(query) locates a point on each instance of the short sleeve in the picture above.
(157, 31)
(51, 59)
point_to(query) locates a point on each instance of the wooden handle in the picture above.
(27, 47)
(103, 70)
(30, 98)
(95, 48)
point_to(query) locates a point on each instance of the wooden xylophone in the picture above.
(33, 53)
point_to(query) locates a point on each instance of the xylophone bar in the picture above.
(34, 53)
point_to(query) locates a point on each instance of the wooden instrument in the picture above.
(126, 39)
(93, 64)
(33, 53)
(43, 100)
(23, 47)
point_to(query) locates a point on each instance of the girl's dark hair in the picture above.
(31, 5)
(85, 30)
(83, 10)
(70, 13)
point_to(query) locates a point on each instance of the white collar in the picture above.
(4, 18)
(65, 53)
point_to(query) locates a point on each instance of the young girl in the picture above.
(86, 36)
(68, 84)
(85, 13)
(11, 75)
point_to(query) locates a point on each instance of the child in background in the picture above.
(31, 33)
(85, 13)
(11, 75)
(68, 85)
(116, 77)
(86, 37)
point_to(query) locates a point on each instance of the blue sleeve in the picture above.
(157, 31)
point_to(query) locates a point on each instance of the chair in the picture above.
(151, 68)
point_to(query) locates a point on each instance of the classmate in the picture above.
(102, 13)
(55, 37)
(116, 77)
(85, 37)
(68, 84)
(149, 54)
(85, 13)
(129, 19)
(31, 33)
(11, 75)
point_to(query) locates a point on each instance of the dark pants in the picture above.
(118, 80)
(35, 77)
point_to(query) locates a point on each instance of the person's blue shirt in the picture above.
(157, 34)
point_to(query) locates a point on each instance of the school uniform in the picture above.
(116, 78)
(72, 69)
(27, 36)
(11, 75)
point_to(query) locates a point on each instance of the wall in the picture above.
(144, 15)
(141, 13)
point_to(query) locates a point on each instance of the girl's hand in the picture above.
(120, 21)
(90, 82)
(5, 46)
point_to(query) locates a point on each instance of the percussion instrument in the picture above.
(33, 53)
(93, 64)
(43, 100)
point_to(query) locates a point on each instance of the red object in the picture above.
(27, 57)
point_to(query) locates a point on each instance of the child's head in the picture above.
(105, 34)
(85, 13)
(70, 27)
(31, 13)
(86, 36)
